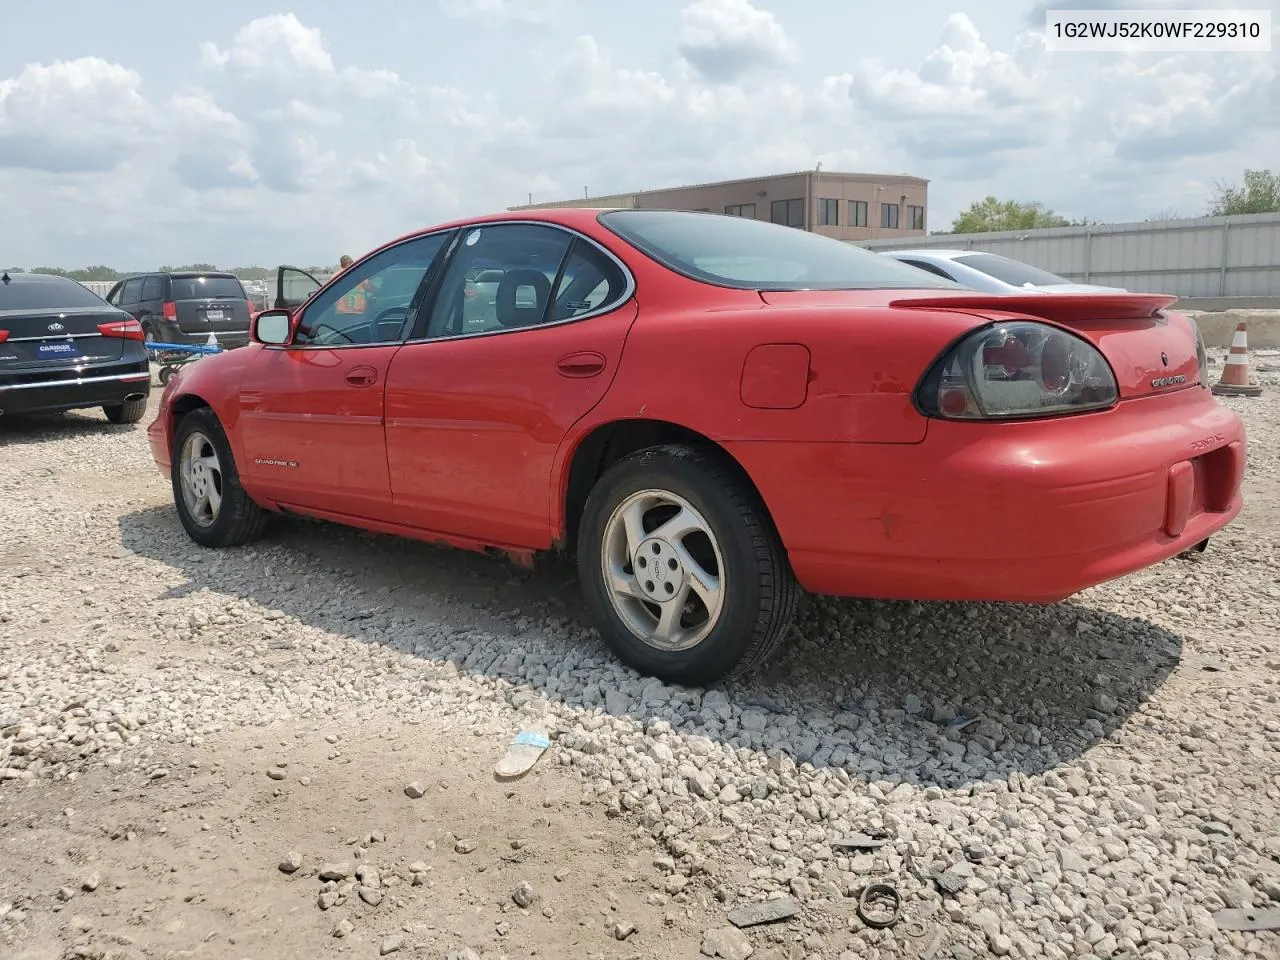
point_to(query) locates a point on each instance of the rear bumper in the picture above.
(1022, 512)
(95, 387)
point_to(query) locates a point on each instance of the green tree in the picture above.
(1260, 194)
(51, 271)
(990, 215)
(191, 268)
(254, 273)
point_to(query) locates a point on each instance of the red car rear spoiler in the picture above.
(1058, 307)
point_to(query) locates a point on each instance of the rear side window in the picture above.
(47, 295)
(590, 280)
(200, 288)
(152, 289)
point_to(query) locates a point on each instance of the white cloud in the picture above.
(73, 116)
(726, 39)
(274, 141)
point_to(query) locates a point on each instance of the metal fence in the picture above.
(1205, 257)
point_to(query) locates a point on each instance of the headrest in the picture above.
(510, 315)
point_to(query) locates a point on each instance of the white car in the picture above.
(992, 273)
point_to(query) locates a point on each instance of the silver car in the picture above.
(992, 273)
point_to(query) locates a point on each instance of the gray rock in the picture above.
(727, 943)
(391, 944)
(291, 863)
(523, 896)
(339, 870)
(622, 929)
(414, 791)
(766, 911)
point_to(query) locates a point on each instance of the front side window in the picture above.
(373, 301)
(131, 290)
(502, 277)
(754, 255)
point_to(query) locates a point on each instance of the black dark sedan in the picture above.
(62, 347)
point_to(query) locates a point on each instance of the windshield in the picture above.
(198, 288)
(756, 255)
(1010, 271)
(23, 294)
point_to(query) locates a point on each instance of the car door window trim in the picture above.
(415, 302)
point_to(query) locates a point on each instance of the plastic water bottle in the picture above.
(212, 341)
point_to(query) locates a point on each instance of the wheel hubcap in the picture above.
(663, 569)
(200, 474)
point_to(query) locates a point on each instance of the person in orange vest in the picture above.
(356, 299)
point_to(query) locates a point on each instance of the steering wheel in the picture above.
(386, 316)
(318, 333)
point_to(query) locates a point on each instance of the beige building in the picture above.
(847, 206)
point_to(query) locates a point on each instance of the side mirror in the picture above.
(273, 328)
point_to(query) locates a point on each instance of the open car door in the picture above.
(294, 286)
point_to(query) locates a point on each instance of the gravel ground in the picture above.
(190, 741)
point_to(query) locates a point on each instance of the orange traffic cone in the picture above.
(1234, 381)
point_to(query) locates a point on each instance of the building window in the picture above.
(857, 213)
(915, 216)
(889, 216)
(828, 212)
(747, 210)
(789, 213)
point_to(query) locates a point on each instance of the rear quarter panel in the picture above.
(686, 367)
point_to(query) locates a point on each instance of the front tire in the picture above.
(681, 569)
(131, 411)
(213, 507)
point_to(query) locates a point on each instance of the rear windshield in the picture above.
(755, 255)
(198, 288)
(1010, 271)
(47, 295)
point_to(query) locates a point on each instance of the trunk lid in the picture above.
(1150, 351)
(51, 337)
(210, 304)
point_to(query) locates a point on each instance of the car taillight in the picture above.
(1015, 370)
(125, 329)
(170, 311)
(4, 335)
(1202, 357)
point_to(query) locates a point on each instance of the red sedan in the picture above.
(712, 413)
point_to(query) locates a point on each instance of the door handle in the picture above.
(585, 364)
(362, 376)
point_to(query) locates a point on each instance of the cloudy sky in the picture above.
(250, 132)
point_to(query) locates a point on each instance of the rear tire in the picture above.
(711, 561)
(131, 411)
(212, 505)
